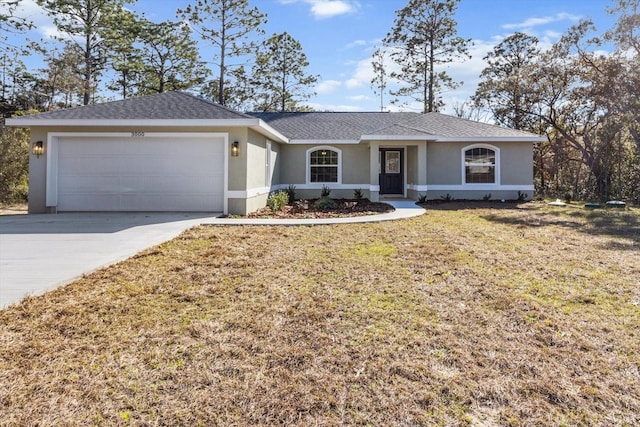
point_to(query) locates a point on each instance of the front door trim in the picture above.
(392, 171)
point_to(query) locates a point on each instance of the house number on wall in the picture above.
(137, 134)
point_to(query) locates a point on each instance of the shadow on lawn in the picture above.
(613, 222)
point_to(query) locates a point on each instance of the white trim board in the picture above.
(471, 187)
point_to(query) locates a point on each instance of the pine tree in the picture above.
(279, 75)
(424, 36)
(85, 23)
(227, 25)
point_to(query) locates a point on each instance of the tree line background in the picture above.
(582, 93)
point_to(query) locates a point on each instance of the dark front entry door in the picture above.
(391, 171)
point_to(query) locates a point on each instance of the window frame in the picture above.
(496, 165)
(309, 165)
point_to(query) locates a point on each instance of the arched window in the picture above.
(480, 165)
(323, 165)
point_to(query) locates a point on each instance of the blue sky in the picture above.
(339, 36)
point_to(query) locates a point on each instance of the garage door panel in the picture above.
(135, 174)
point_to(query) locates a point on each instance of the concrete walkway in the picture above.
(41, 252)
(403, 209)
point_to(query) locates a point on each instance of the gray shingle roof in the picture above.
(294, 126)
(327, 126)
(322, 126)
(163, 106)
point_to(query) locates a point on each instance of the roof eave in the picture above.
(324, 141)
(490, 139)
(265, 129)
(256, 124)
(27, 122)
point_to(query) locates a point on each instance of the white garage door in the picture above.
(183, 173)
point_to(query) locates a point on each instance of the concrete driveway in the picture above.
(41, 252)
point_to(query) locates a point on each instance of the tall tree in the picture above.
(239, 90)
(424, 36)
(626, 36)
(86, 23)
(63, 77)
(279, 75)
(227, 25)
(504, 88)
(14, 164)
(170, 58)
(125, 55)
(379, 80)
(10, 63)
(573, 86)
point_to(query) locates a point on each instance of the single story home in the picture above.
(177, 152)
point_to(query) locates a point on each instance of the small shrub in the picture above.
(486, 197)
(447, 198)
(324, 203)
(422, 198)
(325, 192)
(522, 196)
(357, 194)
(291, 193)
(277, 200)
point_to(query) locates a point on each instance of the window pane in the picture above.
(480, 175)
(324, 174)
(480, 166)
(392, 162)
(324, 157)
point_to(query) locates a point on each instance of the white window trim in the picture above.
(267, 172)
(308, 166)
(464, 167)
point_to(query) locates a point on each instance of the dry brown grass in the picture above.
(466, 316)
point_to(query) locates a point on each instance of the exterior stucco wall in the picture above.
(276, 164)
(517, 163)
(445, 172)
(444, 163)
(38, 166)
(431, 167)
(354, 167)
(411, 157)
(256, 156)
(38, 174)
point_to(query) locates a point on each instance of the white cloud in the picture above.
(362, 75)
(322, 9)
(327, 87)
(356, 43)
(358, 98)
(536, 22)
(38, 16)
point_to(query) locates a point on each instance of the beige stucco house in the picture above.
(177, 152)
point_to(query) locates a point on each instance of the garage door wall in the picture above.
(38, 166)
(38, 174)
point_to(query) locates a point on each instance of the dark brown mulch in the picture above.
(343, 208)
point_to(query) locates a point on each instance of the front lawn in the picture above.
(472, 314)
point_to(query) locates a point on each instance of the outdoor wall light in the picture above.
(38, 148)
(235, 150)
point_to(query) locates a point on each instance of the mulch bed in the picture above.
(343, 208)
